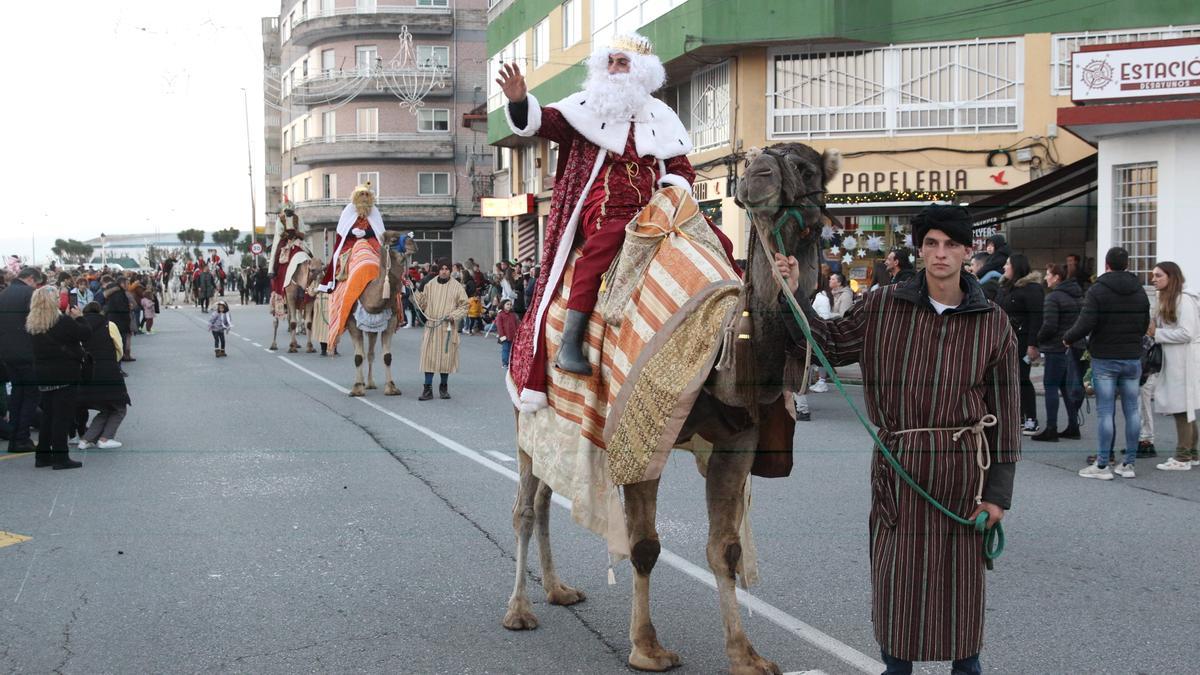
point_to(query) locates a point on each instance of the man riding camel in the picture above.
(618, 146)
(359, 220)
(288, 241)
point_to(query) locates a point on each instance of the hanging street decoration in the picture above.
(835, 249)
(894, 196)
(862, 253)
(849, 242)
(847, 259)
(874, 242)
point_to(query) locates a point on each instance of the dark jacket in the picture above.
(116, 307)
(1022, 301)
(106, 388)
(903, 276)
(999, 255)
(1114, 317)
(16, 346)
(1059, 312)
(58, 353)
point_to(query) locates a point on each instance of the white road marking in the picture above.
(789, 623)
(501, 456)
(255, 344)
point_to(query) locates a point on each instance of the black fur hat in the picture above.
(949, 218)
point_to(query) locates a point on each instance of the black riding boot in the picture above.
(426, 393)
(444, 390)
(570, 352)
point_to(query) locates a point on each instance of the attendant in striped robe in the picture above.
(936, 357)
(443, 301)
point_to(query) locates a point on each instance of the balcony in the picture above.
(396, 211)
(353, 147)
(339, 85)
(382, 20)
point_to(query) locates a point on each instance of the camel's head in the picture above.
(788, 179)
(400, 243)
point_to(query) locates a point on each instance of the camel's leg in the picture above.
(728, 468)
(371, 360)
(520, 613)
(308, 323)
(557, 593)
(641, 504)
(356, 337)
(293, 346)
(389, 387)
(275, 336)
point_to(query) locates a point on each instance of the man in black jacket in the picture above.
(116, 308)
(16, 346)
(1115, 315)
(1060, 311)
(899, 266)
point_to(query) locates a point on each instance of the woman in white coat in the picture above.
(1177, 329)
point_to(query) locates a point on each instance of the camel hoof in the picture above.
(310, 349)
(657, 660)
(293, 349)
(357, 390)
(371, 385)
(755, 665)
(273, 347)
(391, 390)
(565, 595)
(520, 617)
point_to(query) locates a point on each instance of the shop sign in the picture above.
(709, 189)
(507, 207)
(982, 179)
(1149, 72)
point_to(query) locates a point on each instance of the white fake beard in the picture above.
(615, 97)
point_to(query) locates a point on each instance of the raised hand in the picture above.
(512, 82)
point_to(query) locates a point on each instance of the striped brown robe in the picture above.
(923, 370)
(443, 305)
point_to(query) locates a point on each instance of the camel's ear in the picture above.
(752, 154)
(831, 163)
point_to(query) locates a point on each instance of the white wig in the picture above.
(617, 96)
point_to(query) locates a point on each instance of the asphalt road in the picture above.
(259, 520)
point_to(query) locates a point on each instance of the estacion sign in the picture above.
(1118, 72)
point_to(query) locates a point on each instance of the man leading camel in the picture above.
(444, 302)
(939, 366)
(618, 144)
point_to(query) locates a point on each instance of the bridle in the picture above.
(795, 211)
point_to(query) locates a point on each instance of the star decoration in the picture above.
(898, 229)
(849, 243)
(874, 242)
(827, 232)
(912, 258)
(835, 249)
(908, 240)
(847, 259)
(862, 253)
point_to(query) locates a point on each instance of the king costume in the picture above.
(609, 166)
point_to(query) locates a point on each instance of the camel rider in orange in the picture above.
(288, 241)
(359, 220)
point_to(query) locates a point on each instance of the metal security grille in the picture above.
(1065, 44)
(946, 87)
(710, 107)
(1135, 215)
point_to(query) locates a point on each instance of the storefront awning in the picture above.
(1056, 188)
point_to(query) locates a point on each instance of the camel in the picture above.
(303, 284)
(785, 176)
(381, 294)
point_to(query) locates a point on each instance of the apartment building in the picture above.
(927, 100)
(344, 108)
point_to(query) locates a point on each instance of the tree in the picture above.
(154, 255)
(72, 252)
(245, 243)
(227, 239)
(247, 260)
(191, 237)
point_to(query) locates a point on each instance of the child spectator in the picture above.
(148, 312)
(219, 324)
(506, 330)
(474, 314)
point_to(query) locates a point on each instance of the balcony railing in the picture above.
(417, 200)
(396, 211)
(341, 21)
(345, 147)
(336, 85)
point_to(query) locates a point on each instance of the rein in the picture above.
(993, 537)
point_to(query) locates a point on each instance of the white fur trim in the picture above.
(676, 180)
(529, 401)
(533, 120)
(657, 131)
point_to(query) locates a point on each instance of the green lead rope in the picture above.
(993, 537)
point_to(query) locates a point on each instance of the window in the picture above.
(304, 69)
(708, 113)
(367, 122)
(433, 56)
(329, 126)
(1064, 45)
(303, 9)
(303, 130)
(541, 43)
(552, 158)
(307, 183)
(433, 3)
(365, 57)
(611, 17)
(529, 172)
(329, 186)
(433, 245)
(328, 62)
(1135, 215)
(371, 177)
(501, 158)
(433, 183)
(513, 53)
(969, 86)
(326, 7)
(572, 22)
(365, 6)
(433, 119)
(286, 147)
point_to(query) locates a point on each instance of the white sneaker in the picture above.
(1093, 471)
(820, 387)
(1173, 464)
(84, 445)
(1195, 462)
(108, 444)
(1030, 428)
(1125, 471)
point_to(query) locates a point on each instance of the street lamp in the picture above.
(103, 249)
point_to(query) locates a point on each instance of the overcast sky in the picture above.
(127, 117)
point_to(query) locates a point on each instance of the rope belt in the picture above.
(993, 537)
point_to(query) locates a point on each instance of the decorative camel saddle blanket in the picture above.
(362, 269)
(655, 336)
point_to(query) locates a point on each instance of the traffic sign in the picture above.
(256, 248)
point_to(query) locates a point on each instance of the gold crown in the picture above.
(632, 43)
